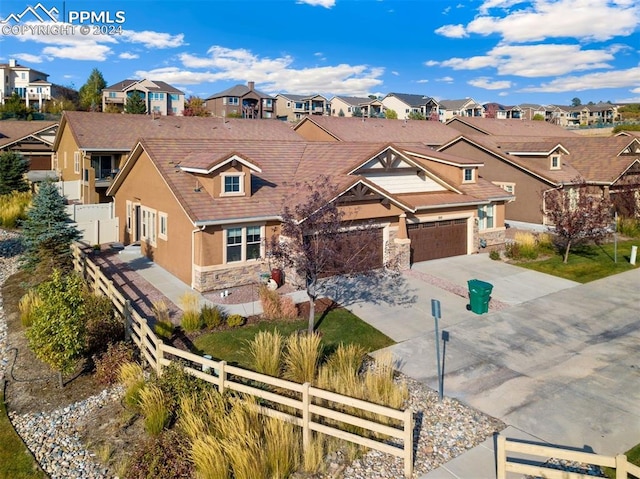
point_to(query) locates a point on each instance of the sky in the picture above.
(505, 51)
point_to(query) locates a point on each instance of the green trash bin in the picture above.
(479, 296)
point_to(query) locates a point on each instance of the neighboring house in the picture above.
(509, 127)
(205, 209)
(31, 85)
(466, 107)
(241, 101)
(530, 166)
(404, 104)
(331, 128)
(347, 105)
(160, 97)
(90, 148)
(32, 139)
(586, 115)
(503, 112)
(291, 107)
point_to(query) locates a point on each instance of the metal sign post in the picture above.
(435, 312)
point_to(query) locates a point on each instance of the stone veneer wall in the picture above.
(495, 240)
(229, 278)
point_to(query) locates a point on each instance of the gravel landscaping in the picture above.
(443, 431)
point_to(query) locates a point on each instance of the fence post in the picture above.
(621, 466)
(222, 376)
(408, 443)
(306, 418)
(501, 458)
(127, 320)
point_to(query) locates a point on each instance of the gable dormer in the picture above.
(229, 176)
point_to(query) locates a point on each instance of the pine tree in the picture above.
(135, 104)
(48, 232)
(91, 91)
(12, 169)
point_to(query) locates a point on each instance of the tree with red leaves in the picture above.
(317, 240)
(577, 213)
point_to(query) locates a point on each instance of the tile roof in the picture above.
(12, 131)
(594, 159)
(511, 127)
(119, 132)
(381, 129)
(283, 164)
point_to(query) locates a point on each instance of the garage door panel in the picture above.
(438, 239)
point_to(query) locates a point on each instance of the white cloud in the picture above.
(318, 3)
(87, 51)
(431, 63)
(395, 73)
(27, 57)
(151, 39)
(128, 56)
(487, 84)
(537, 60)
(503, 93)
(271, 74)
(590, 81)
(422, 81)
(580, 19)
(445, 79)
(452, 31)
(489, 4)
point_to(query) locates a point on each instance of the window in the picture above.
(76, 162)
(174, 97)
(243, 244)
(54, 161)
(156, 96)
(149, 225)
(266, 102)
(234, 245)
(233, 100)
(162, 225)
(288, 104)
(64, 159)
(468, 175)
(555, 162)
(508, 187)
(112, 94)
(485, 217)
(299, 105)
(232, 184)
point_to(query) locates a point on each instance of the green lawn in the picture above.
(15, 460)
(338, 325)
(587, 263)
(633, 456)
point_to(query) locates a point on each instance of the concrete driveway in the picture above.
(556, 360)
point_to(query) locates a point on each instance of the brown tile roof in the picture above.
(511, 127)
(380, 129)
(594, 159)
(120, 132)
(283, 164)
(12, 131)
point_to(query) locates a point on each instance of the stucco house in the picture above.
(90, 148)
(292, 107)
(204, 209)
(404, 104)
(159, 97)
(466, 107)
(530, 166)
(348, 105)
(241, 101)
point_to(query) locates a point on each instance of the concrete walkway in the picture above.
(557, 361)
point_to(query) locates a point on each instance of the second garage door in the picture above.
(437, 239)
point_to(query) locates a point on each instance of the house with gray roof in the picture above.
(241, 101)
(290, 107)
(160, 97)
(349, 106)
(464, 107)
(405, 104)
